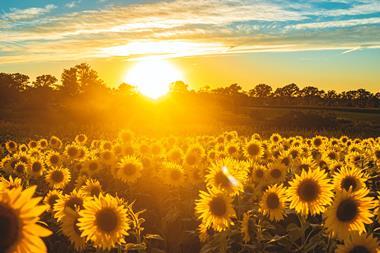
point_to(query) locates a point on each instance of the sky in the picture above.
(329, 44)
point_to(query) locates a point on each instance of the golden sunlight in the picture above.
(153, 77)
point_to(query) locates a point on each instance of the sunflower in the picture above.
(104, 221)
(232, 150)
(36, 167)
(51, 198)
(92, 165)
(174, 174)
(53, 158)
(19, 215)
(310, 192)
(203, 233)
(10, 183)
(69, 227)
(273, 202)
(215, 210)
(43, 143)
(20, 168)
(58, 177)
(349, 212)
(73, 201)
(228, 175)
(55, 142)
(365, 243)
(32, 144)
(253, 149)
(107, 156)
(275, 138)
(126, 136)
(81, 139)
(92, 187)
(348, 178)
(276, 172)
(259, 174)
(175, 155)
(11, 146)
(129, 169)
(304, 163)
(245, 227)
(72, 151)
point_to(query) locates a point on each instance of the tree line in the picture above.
(82, 82)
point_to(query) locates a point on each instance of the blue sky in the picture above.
(52, 32)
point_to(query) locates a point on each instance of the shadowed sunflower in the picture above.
(215, 210)
(53, 158)
(174, 174)
(81, 139)
(364, 243)
(55, 142)
(20, 168)
(310, 192)
(51, 198)
(129, 169)
(19, 213)
(273, 202)
(11, 146)
(276, 172)
(92, 187)
(349, 212)
(245, 227)
(73, 201)
(104, 221)
(348, 178)
(253, 149)
(69, 227)
(58, 178)
(36, 168)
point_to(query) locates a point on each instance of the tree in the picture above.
(261, 91)
(290, 90)
(70, 85)
(179, 87)
(87, 77)
(45, 81)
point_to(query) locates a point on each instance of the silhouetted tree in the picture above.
(290, 90)
(179, 87)
(261, 91)
(45, 81)
(70, 84)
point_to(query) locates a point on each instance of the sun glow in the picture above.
(152, 78)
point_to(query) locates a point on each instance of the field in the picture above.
(191, 193)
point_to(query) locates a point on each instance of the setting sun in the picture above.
(153, 77)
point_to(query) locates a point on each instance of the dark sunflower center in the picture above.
(286, 161)
(232, 150)
(359, 249)
(317, 142)
(93, 166)
(52, 200)
(106, 220)
(253, 149)
(259, 173)
(304, 167)
(332, 156)
(107, 155)
(218, 206)
(72, 151)
(377, 154)
(9, 228)
(348, 182)
(36, 167)
(129, 169)
(57, 176)
(54, 159)
(347, 210)
(191, 159)
(95, 190)
(275, 173)
(308, 190)
(20, 168)
(73, 202)
(273, 201)
(222, 180)
(175, 174)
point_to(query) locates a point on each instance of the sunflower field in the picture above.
(221, 193)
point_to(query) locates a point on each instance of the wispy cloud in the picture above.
(186, 27)
(72, 4)
(25, 14)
